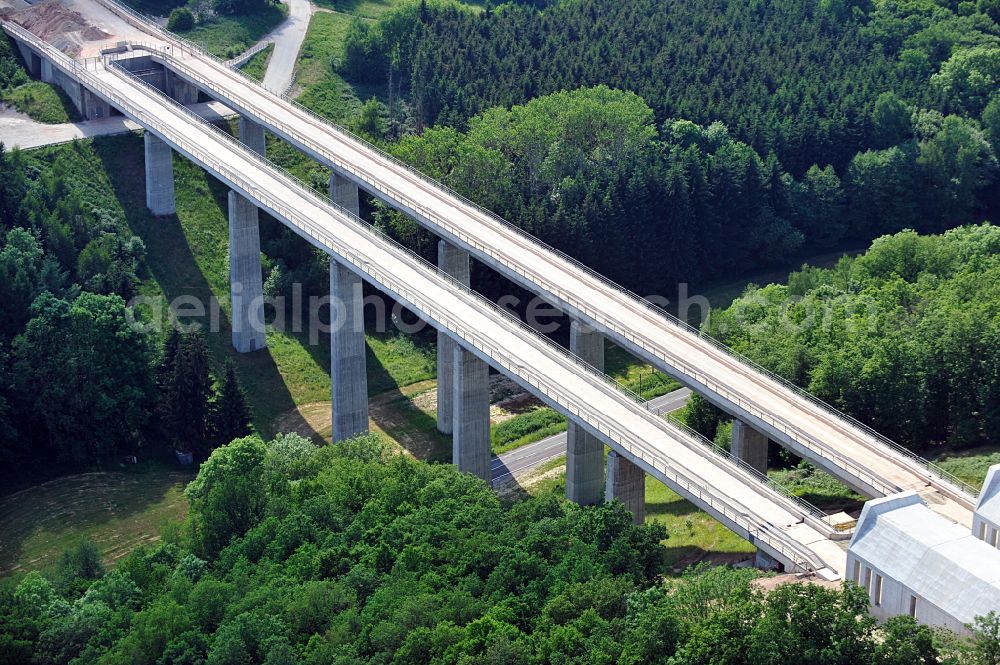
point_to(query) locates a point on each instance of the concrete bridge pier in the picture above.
(252, 135)
(454, 262)
(93, 106)
(47, 72)
(348, 373)
(764, 561)
(626, 482)
(246, 287)
(32, 60)
(181, 91)
(584, 451)
(344, 193)
(159, 176)
(471, 415)
(749, 445)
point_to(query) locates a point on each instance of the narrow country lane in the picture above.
(508, 465)
(287, 38)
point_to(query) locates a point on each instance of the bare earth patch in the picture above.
(64, 28)
(407, 417)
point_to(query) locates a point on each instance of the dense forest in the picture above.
(756, 132)
(649, 205)
(78, 381)
(905, 337)
(345, 554)
(796, 78)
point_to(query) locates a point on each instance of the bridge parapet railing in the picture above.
(497, 353)
(936, 473)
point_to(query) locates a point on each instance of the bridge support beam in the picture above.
(348, 373)
(32, 61)
(471, 435)
(252, 135)
(159, 176)
(764, 561)
(93, 106)
(749, 445)
(454, 262)
(584, 451)
(180, 90)
(48, 73)
(344, 193)
(626, 482)
(245, 283)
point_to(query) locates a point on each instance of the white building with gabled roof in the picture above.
(986, 519)
(914, 562)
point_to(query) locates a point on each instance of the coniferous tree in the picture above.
(230, 411)
(187, 392)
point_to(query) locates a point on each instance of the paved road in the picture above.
(534, 454)
(19, 131)
(287, 39)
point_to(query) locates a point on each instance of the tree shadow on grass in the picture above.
(117, 510)
(172, 264)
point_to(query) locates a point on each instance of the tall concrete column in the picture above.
(584, 451)
(344, 193)
(626, 482)
(252, 135)
(245, 284)
(48, 73)
(749, 445)
(159, 176)
(471, 418)
(348, 374)
(454, 262)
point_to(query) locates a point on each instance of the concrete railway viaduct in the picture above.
(151, 83)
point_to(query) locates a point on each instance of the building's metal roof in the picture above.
(940, 561)
(989, 498)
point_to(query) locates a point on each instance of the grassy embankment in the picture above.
(228, 36)
(224, 36)
(41, 102)
(257, 65)
(320, 85)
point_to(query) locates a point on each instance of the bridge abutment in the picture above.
(344, 193)
(245, 282)
(348, 373)
(454, 262)
(471, 415)
(584, 451)
(159, 176)
(252, 135)
(626, 482)
(749, 445)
